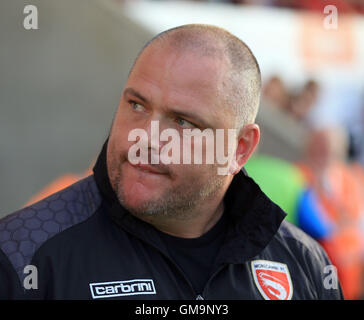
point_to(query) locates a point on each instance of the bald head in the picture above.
(242, 80)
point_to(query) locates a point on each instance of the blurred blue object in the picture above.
(311, 216)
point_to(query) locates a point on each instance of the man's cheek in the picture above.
(120, 144)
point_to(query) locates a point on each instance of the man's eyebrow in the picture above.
(132, 92)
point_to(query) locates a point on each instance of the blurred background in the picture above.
(60, 85)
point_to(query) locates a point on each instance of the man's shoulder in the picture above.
(297, 247)
(24, 231)
(309, 255)
(291, 235)
(306, 260)
(288, 230)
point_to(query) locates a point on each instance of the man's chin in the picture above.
(146, 211)
(138, 198)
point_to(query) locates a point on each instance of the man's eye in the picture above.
(184, 123)
(137, 107)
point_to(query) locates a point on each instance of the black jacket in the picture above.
(85, 245)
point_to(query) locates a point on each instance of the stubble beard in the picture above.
(179, 202)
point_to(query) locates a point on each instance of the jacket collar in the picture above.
(253, 218)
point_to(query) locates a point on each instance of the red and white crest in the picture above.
(272, 279)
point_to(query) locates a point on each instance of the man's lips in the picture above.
(148, 168)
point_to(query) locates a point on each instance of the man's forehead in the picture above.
(180, 69)
(170, 58)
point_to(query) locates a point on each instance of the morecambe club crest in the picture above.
(272, 279)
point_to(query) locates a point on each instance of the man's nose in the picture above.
(153, 129)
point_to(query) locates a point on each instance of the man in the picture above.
(146, 227)
(340, 204)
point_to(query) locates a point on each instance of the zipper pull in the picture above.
(199, 297)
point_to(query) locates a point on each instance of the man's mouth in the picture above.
(148, 168)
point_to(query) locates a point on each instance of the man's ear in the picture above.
(248, 139)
